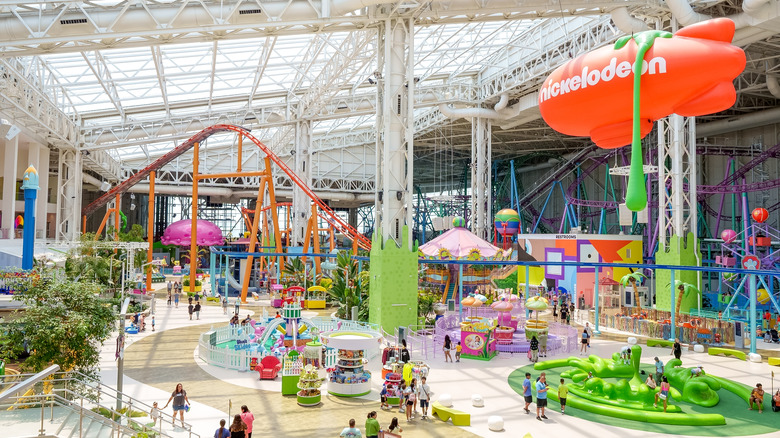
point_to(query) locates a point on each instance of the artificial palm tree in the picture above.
(633, 278)
(683, 290)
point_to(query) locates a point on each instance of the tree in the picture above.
(350, 287)
(683, 290)
(633, 278)
(64, 323)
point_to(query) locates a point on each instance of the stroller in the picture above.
(774, 335)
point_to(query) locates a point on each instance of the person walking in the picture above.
(180, 403)
(584, 342)
(170, 297)
(425, 396)
(169, 286)
(447, 348)
(410, 398)
(372, 425)
(224, 305)
(197, 310)
(563, 391)
(248, 418)
(238, 428)
(191, 310)
(677, 349)
(176, 297)
(534, 349)
(223, 431)
(527, 393)
(659, 370)
(541, 397)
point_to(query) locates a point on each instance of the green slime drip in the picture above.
(636, 196)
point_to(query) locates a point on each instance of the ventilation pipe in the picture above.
(752, 120)
(225, 192)
(773, 85)
(626, 23)
(751, 7)
(502, 101)
(498, 112)
(753, 10)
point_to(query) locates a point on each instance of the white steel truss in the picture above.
(68, 226)
(677, 212)
(71, 26)
(481, 195)
(301, 208)
(395, 122)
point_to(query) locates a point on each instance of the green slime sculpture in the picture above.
(636, 196)
(630, 398)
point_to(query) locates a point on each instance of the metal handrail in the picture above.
(104, 392)
(29, 382)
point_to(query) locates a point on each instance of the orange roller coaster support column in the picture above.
(315, 220)
(274, 213)
(240, 152)
(150, 232)
(247, 274)
(194, 229)
(117, 218)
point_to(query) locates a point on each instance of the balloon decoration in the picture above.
(728, 235)
(458, 222)
(760, 215)
(507, 222)
(689, 73)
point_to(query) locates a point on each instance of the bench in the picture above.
(774, 361)
(713, 351)
(659, 343)
(459, 418)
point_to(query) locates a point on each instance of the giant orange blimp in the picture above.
(614, 95)
(689, 74)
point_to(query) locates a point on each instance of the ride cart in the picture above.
(316, 297)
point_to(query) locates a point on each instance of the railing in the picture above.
(241, 359)
(657, 329)
(82, 395)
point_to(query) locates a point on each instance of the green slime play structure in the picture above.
(631, 399)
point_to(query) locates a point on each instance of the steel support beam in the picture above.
(481, 196)
(69, 195)
(677, 213)
(395, 122)
(301, 208)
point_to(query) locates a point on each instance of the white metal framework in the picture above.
(677, 214)
(347, 92)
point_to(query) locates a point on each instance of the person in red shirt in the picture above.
(767, 319)
(248, 418)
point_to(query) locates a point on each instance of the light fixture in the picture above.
(132, 206)
(105, 186)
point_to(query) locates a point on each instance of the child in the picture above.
(154, 414)
(383, 398)
(458, 349)
(563, 391)
(401, 396)
(153, 323)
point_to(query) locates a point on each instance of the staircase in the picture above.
(71, 405)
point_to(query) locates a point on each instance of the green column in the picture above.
(393, 287)
(678, 254)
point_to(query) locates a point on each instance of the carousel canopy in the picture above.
(459, 242)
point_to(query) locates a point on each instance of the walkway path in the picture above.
(166, 358)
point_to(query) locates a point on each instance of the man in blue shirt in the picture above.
(659, 371)
(527, 392)
(541, 397)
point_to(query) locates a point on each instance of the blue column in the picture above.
(30, 187)
(527, 287)
(460, 293)
(672, 305)
(596, 302)
(213, 272)
(752, 296)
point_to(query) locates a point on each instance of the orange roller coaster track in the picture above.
(327, 213)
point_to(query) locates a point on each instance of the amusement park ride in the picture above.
(265, 192)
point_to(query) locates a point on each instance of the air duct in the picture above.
(747, 121)
(225, 192)
(626, 23)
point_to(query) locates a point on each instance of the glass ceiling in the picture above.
(204, 79)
